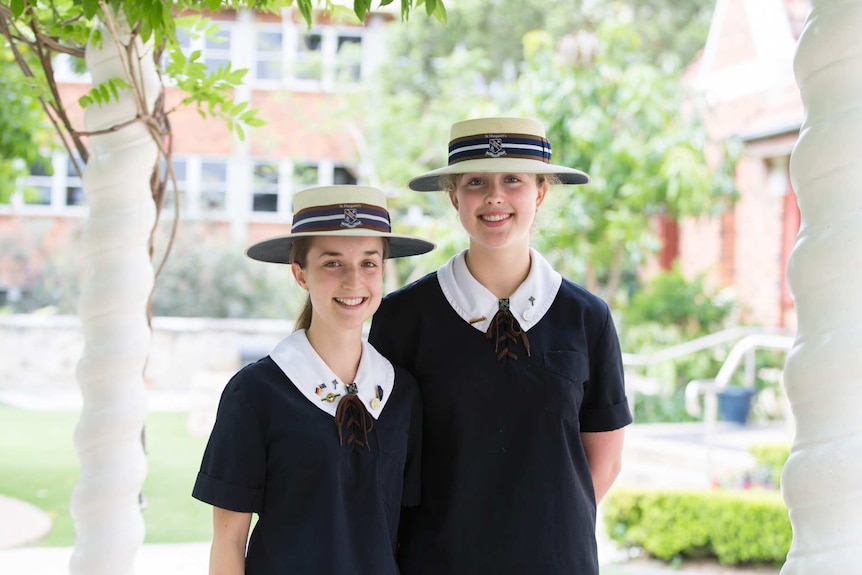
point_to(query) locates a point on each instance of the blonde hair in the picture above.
(299, 255)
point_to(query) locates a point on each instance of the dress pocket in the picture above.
(566, 373)
(390, 464)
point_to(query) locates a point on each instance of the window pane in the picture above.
(265, 174)
(309, 58)
(265, 203)
(179, 164)
(214, 64)
(342, 176)
(213, 200)
(214, 173)
(74, 196)
(310, 42)
(268, 42)
(36, 194)
(269, 56)
(218, 41)
(213, 185)
(304, 176)
(265, 186)
(349, 59)
(42, 167)
(268, 70)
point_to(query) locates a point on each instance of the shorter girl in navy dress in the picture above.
(321, 437)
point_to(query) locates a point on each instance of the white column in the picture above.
(118, 278)
(822, 481)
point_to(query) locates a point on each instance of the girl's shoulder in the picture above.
(422, 287)
(570, 292)
(252, 381)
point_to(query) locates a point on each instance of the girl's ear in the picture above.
(299, 275)
(543, 190)
(454, 199)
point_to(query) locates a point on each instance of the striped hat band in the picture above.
(339, 217)
(500, 146)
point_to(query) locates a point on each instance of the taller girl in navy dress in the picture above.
(520, 372)
(321, 437)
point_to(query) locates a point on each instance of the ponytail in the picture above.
(298, 255)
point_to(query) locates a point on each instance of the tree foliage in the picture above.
(37, 32)
(22, 125)
(629, 124)
(607, 87)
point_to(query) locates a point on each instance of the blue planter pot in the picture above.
(734, 404)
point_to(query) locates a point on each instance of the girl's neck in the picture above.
(340, 349)
(500, 271)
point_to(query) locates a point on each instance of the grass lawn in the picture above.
(38, 464)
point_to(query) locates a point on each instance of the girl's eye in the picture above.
(474, 182)
(370, 264)
(512, 179)
(331, 264)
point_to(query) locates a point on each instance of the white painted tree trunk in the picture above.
(118, 278)
(822, 483)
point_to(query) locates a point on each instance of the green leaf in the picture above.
(361, 8)
(305, 10)
(430, 6)
(17, 7)
(440, 13)
(385, 3)
(90, 8)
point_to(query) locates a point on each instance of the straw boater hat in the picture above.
(516, 145)
(338, 211)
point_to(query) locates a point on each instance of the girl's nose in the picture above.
(494, 194)
(350, 276)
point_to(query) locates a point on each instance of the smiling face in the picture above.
(344, 280)
(497, 209)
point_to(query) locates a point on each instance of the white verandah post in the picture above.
(822, 480)
(118, 279)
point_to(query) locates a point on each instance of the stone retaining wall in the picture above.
(41, 351)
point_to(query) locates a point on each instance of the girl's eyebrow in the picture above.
(331, 254)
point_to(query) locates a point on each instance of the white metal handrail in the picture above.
(695, 345)
(743, 350)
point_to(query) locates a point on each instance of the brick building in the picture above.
(299, 79)
(745, 73)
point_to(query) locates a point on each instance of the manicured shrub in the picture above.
(733, 526)
(771, 456)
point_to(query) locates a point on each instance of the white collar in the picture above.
(477, 305)
(313, 378)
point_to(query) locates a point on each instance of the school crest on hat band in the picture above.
(499, 145)
(345, 210)
(514, 145)
(338, 216)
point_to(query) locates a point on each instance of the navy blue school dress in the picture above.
(328, 497)
(507, 388)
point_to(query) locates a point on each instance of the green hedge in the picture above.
(734, 526)
(772, 458)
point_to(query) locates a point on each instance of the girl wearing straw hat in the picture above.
(520, 372)
(321, 437)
